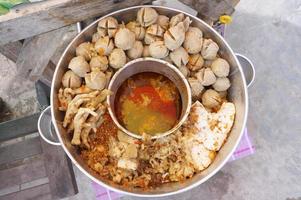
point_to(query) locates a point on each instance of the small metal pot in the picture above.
(151, 65)
(237, 94)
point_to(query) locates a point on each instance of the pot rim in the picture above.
(189, 187)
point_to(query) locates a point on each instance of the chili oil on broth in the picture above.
(149, 103)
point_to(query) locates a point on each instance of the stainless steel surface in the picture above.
(79, 27)
(237, 94)
(46, 129)
(151, 65)
(247, 68)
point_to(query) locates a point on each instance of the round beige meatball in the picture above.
(96, 36)
(124, 39)
(147, 16)
(137, 29)
(102, 32)
(195, 62)
(209, 49)
(193, 40)
(163, 21)
(155, 30)
(136, 50)
(175, 20)
(104, 46)
(108, 26)
(211, 99)
(186, 23)
(196, 87)
(220, 67)
(158, 50)
(117, 58)
(206, 76)
(221, 84)
(79, 66)
(174, 36)
(179, 57)
(96, 80)
(71, 80)
(99, 62)
(84, 50)
(148, 39)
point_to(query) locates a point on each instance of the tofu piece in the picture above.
(212, 129)
(197, 154)
(131, 151)
(114, 148)
(225, 116)
(201, 156)
(214, 140)
(127, 164)
(123, 137)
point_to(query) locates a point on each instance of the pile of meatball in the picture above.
(158, 36)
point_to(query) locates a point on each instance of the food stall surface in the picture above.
(269, 33)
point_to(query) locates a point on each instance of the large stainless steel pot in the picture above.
(237, 94)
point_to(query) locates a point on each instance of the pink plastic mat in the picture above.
(245, 148)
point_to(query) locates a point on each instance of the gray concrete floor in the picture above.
(269, 33)
(17, 92)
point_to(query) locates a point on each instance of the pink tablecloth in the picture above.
(245, 148)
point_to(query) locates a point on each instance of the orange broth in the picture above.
(148, 103)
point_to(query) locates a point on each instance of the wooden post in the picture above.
(37, 51)
(32, 19)
(59, 171)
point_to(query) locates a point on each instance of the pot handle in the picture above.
(46, 129)
(247, 68)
